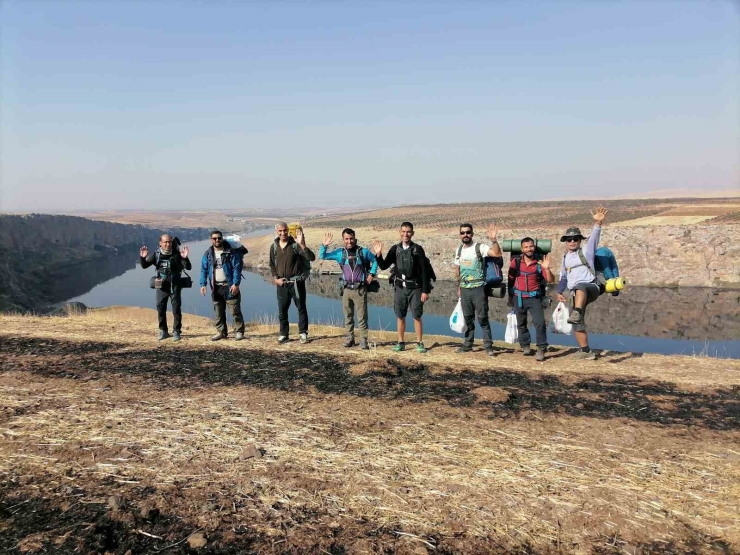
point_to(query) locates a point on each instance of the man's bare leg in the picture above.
(401, 326)
(419, 329)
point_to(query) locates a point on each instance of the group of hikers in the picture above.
(411, 277)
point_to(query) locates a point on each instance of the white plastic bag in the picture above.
(234, 240)
(512, 329)
(457, 321)
(559, 322)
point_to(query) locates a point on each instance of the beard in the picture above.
(467, 240)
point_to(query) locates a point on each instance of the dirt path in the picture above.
(113, 442)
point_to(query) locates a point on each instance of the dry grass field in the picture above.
(112, 442)
(536, 214)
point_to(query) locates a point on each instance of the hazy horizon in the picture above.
(192, 106)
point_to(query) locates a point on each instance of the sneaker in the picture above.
(163, 335)
(350, 341)
(580, 355)
(176, 336)
(400, 346)
(282, 339)
(420, 348)
(463, 349)
(303, 337)
(540, 356)
(491, 352)
(363, 344)
(575, 317)
(239, 336)
(218, 337)
(527, 351)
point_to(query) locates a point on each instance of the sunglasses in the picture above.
(466, 233)
(572, 239)
(216, 238)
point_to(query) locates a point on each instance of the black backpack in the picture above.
(407, 263)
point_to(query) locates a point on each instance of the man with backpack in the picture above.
(470, 266)
(290, 266)
(577, 273)
(359, 267)
(527, 287)
(411, 279)
(221, 269)
(169, 262)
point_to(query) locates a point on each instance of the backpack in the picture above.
(305, 263)
(492, 271)
(184, 282)
(542, 282)
(408, 265)
(373, 287)
(605, 266)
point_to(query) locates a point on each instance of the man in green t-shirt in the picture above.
(471, 277)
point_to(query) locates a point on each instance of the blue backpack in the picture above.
(605, 263)
(491, 264)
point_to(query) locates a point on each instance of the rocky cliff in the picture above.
(686, 255)
(37, 250)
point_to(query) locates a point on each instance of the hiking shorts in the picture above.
(593, 292)
(403, 298)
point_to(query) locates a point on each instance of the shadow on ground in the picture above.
(640, 400)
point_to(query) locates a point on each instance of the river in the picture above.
(688, 321)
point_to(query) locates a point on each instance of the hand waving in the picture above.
(545, 262)
(492, 231)
(143, 252)
(299, 237)
(377, 247)
(184, 252)
(600, 214)
(328, 238)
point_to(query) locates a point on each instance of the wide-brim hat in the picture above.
(572, 232)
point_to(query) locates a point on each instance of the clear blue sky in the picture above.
(187, 104)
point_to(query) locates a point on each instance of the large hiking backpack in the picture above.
(407, 264)
(305, 263)
(541, 281)
(491, 267)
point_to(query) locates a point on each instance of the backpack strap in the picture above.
(585, 262)
(459, 252)
(478, 254)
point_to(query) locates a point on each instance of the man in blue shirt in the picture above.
(359, 267)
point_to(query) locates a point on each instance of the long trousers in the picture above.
(355, 300)
(222, 298)
(475, 307)
(534, 306)
(162, 296)
(292, 293)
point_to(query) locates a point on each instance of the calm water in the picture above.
(668, 321)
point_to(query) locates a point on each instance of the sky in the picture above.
(187, 104)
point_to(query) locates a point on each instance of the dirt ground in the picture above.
(113, 442)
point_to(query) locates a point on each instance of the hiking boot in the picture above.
(581, 355)
(239, 336)
(349, 342)
(576, 317)
(363, 344)
(490, 351)
(527, 351)
(219, 336)
(420, 348)
(303, 337)
(463, 349)
(163, 335)
(540, 356)
(400, 346)
(176, 336)
(282, 339)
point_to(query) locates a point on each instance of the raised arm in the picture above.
(495, 249)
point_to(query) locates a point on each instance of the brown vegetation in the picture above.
(112, 442)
